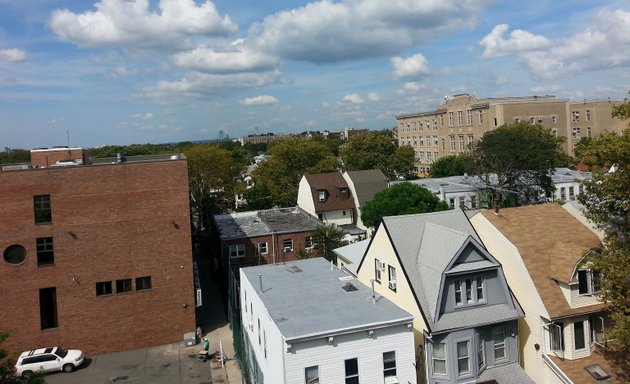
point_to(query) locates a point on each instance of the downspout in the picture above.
(273, 244)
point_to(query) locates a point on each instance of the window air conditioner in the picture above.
(287, 249)
(391, 380)
(392, 284)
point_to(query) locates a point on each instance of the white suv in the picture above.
(47, 360)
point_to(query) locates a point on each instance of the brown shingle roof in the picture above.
(551, 241)
(332, 183)
(367, 183)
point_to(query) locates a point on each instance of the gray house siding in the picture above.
(493, 291)
(472, 338)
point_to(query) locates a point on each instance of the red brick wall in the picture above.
(251, 246)
(41, 158)
(108, 222)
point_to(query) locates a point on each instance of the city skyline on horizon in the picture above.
(119, 72)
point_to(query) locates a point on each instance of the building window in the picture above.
(556, 341)
(450, 119)
(322, 196)
(311, 375)
(563, 193)
(571, 193)
(575, 116)
(123, 285)
(517, 119)
(287, 245)
(481, 356)
(588, 282)
(237, 250)
(463, 358)
(308, 242)
(496, 122)
(578, 335)
(262, 248)
(498, 340)
(576, 133)
(469, 117)
(389, 364)
(15, 254)
(480, 117)
(589, 132)
(470, 138)
(439, 358)
(473, 288)
(378, 268)
(48, 307)
(435, 141)
(452, 142)
(103, 288)
(352, 371)
(462, 144)
(451, 202)
(462, 202)
(143, 283)
(473, 202)
(588, 115)
(429, 157)
(45, 252)
(460, 118)
(554, 119)
(392, 277)
(43, 212)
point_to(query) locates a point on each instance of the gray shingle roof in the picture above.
(426, 245)
(352, 254)
(305, 298)
(505, 374)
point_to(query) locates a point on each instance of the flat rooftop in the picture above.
(240, 225)
(310, 298)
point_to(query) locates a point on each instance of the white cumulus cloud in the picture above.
(412, 67)
(520, 41)
(258, 100)
(373, 96)
(133, 23)
(353, 98)
(226, 60)
(327, 31)
(12, 54)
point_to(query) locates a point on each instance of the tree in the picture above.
(289, 160)
(516, 158)
(454, 165)
(7, 376)
(377, 150)
(212, 177)
(607, 204)
(400, 199)
(258, 197)
(327, 239)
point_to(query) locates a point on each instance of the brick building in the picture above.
(462, 119)
(96, 256)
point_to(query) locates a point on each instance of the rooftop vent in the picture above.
(348, 287)
(294, 269)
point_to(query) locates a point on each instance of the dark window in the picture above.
(48, 307)
(311, 375)
(103, 288)
(389, 364)
(352, 371)
(578, 332)
(45, 252)
(583, 282)
(43, 214)
(123, 285)
(15, 254)
(143, 283)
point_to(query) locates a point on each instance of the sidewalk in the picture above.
(231, 372)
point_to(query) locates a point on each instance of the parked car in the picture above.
(48, 359)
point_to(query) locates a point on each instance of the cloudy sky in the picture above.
(154, 71)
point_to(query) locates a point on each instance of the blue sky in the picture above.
(154, 71)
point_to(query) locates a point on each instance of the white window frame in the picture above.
(309, 244)
(378, 268)
(353, 375)
(391, 371)
(308, 375)
(391, 277)
(263, 248)
(285, 247)
(575, 334)
(481, 352)
(237, 251)
(322, 196)
(467, 357)
(590, 282)
(434, 359)
(499, 345)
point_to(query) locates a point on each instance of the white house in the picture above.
(542, 248)
(308, 321)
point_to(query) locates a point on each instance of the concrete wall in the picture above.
(109, 222)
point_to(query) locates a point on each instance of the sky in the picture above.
(119, 72)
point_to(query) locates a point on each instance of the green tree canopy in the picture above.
(516, 157)
(15, 156)
(607, 203)
(400, 199)
(376, 150)
(454, 165)
(327, 239)
(289, 160)
(213, 178)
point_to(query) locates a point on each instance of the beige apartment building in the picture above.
(461, 119)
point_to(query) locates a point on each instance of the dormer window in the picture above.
(588, 282)
(473, 288)
(322, 196)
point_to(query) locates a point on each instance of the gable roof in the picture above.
(332, 183)
(427, 245)
(306, 298)
(550, 241)
(367, 183)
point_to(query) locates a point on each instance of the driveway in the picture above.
(164, 364)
